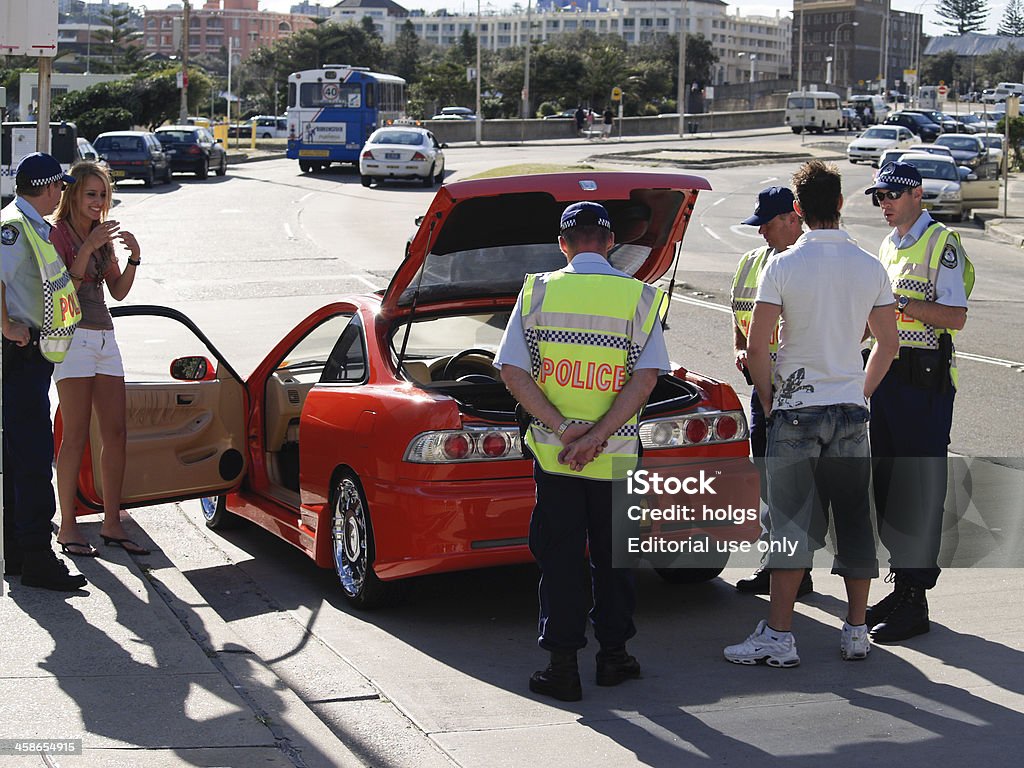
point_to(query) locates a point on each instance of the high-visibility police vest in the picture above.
(585, 333)
(744, 291)
(914, 273)
(61, 311)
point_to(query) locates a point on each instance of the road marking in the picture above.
(288, 231)
(305, 197)
(744, 230)
(719, 200)
(364, 281)
(710, 232)
(770, 178)
(965, 355)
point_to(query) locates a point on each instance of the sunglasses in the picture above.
(887, 194)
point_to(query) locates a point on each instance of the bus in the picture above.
(814, 111)
(331, 112)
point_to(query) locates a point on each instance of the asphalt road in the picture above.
(441, 679)
(249, 254)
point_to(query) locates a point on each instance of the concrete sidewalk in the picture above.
(137, 671)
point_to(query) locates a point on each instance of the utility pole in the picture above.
(183, 111)
(800, 52)
(681, 77)
(526, 72)
(478, 116)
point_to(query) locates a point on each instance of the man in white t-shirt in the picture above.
(825, 289)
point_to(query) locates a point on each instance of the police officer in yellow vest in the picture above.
(780, 226)
(912, 409)
(40, 312)
(582, 351)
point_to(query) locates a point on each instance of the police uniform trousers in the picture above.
(909, 433)
(570, 514)
(29, 504)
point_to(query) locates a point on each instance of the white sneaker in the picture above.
(855, 643)
(762, 648)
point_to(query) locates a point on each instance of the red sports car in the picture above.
(378, 438)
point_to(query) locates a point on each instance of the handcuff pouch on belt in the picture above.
(926, 368)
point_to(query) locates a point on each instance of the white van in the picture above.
(813, 111)
(879, 109)
(19, 139)
(1007, 89)
(928, 97)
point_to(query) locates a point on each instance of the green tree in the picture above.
(1012, 24)
(404, 56)
(962, 15)
(118, 41)
(942, 68)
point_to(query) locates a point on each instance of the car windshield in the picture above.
(119, 144)
(881, 133)
(958, 142)
(440, 336)
(176, 136)
(408, 138)
(934, 169)
(992, 142)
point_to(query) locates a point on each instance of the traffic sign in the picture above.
(616, 94)
(942, 90)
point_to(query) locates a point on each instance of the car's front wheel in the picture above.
(216, 514)
(353, 546)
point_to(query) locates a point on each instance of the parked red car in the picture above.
(378, 438)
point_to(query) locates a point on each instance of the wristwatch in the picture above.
(134, 262)
(901, 303)
(562, 427)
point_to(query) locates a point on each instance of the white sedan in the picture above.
(402, 152)
(875, 140)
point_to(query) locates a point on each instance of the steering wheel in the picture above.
(454, 360)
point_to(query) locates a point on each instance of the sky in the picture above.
(996, 8)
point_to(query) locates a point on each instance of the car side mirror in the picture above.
(444, 145)
(91, 156)
(193, 368)
(218, 141)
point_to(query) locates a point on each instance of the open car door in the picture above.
(980, 193)
(186, 411)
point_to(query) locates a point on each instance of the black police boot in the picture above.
(760, 583)
(908, 618)
(757, 583)
(561, 680)
(615, 666)
(878, 612)
(47, 571)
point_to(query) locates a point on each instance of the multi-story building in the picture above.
(856, 44)
(238, 24)
(734, 38)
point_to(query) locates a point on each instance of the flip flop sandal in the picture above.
(78, 549)
(134, 549)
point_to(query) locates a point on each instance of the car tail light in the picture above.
(465, 445)
(419, 156)
(194, 149)
(698, 428)
(367, 155)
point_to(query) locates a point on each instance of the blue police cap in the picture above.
(580, 214)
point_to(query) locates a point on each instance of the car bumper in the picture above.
(397, 169)
(943, 207)
(131, 172)
(443, 526)
(188, 164)
(861, 155)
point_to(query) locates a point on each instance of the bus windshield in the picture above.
(338, 95)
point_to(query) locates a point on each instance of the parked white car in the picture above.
(870, 145)
(402, 152)
(951, 190)
(994, 144)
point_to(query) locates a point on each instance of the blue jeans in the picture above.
(822, 447)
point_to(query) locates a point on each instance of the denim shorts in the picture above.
(91, 352)
(826, 445)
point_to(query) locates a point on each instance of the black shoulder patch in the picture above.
(949, 258)
(9, 234)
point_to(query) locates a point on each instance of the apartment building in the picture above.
(735, 39)
(854, 44)
(217, 24)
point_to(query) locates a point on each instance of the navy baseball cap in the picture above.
(770, 203)
(580, 214)
(898, 177)
(39, 169)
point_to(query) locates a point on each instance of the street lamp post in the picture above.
(681, 75)
(835, 47)
(750, 88)
(478, 28)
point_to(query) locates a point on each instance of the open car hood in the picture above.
(480, 237)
